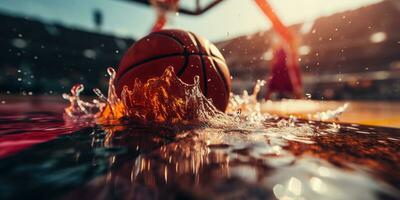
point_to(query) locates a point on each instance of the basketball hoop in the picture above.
(291, 41)
(163, 8)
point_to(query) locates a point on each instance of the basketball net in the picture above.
(163, 8)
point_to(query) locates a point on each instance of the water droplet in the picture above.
(3, 102)
(317, 185)
(378, 37)
(89, 53)
(19, 43)
(295, 186)
(19, 79)
(111, 71)
(116, 51)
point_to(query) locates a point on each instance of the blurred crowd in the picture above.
(41, 58)
(349, 55)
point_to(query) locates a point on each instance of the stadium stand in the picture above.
(353, 54)
(349, 55)
(38, 58)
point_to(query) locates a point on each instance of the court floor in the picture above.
(377, 113)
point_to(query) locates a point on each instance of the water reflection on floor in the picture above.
(282, 159)
(259, 164)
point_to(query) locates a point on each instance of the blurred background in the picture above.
(349, 50)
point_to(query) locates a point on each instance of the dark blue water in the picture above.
(139, 162)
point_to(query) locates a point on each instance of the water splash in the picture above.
(149, 102)
(80, 109)
(246, 107)
(153, 103)
(330, 114)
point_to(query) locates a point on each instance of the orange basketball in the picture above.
(189, 54)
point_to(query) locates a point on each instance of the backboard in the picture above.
(189, 7)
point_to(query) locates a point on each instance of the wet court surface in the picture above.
(42, 156)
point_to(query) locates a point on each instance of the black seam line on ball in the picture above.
(209, 49)
(221, 76)
(204, 76)
(152, 59)
(200, 56)
(204, 70)
(185, 49)
(185, 52)
(184, 65)
(145, 61)
(196, 40)
(172, 37)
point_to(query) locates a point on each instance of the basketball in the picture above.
(189, 54)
